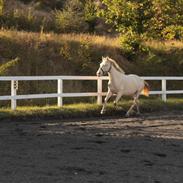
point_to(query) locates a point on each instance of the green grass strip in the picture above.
(84, 110)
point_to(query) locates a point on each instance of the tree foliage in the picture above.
(165, 13)
(125, 15)
(160, 19)
(90, 11)
(148, 17)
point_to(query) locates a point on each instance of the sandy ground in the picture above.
(146, 149)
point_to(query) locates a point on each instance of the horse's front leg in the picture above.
(109, 94)
(118, 96)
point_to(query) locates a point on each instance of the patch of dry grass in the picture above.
(164, 45)
(92, 39)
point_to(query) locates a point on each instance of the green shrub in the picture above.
(68, 21)
(71, 18)
(132, 43)
(173, 32)
(90, 13)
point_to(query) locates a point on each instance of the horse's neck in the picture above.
(115, 75)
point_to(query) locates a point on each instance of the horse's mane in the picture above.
(114, 63)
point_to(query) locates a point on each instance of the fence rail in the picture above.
(60, 94)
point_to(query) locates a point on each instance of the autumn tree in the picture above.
(148, 17)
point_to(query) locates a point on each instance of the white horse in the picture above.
(121, 84)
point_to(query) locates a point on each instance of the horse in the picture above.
(121, 84)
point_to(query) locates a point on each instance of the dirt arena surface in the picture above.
(146, 149)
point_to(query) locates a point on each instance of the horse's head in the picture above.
(105, 67)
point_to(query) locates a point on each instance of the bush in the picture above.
(173, 32)
(69, 21)
(90, 11)
(132, 43)
(71, 18)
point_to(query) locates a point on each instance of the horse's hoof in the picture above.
(102, 112)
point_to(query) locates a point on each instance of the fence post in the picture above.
(14, 85)
(163, 85)
(60, 91)
(99, 91)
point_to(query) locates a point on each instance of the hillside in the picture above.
(64, 54)
(80, 54)
(23, 53)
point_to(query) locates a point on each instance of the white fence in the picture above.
(60, 95)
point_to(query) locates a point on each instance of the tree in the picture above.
(166, 13)
(148, 17)
(127, 15)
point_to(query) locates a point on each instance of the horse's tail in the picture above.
(146, 89)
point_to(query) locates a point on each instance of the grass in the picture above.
(83, 110)
(165, 45)
(43, 37)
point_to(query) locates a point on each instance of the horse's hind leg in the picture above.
(109, 94)
(136, 100)
(137, 106)
(135, 103)
(129, 111)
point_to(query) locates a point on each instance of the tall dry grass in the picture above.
(165, 45)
